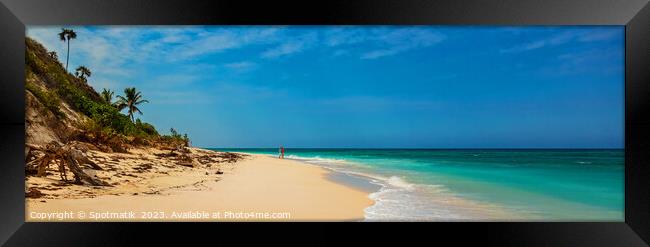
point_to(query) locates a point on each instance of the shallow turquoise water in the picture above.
(539, 184)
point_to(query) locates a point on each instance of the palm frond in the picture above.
(62, 35)
(137, 109)
(121, 98)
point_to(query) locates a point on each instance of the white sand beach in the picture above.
(258, 188)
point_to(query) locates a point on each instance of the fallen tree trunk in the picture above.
(81, 159)
(79, 174)
(64, 156)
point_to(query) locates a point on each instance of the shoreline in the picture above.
(435, 202)
(258, 188)
(448, 206)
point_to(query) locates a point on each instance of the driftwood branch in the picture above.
(81, 159)
(64, 156)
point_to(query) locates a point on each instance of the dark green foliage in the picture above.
(82, 72)
(131, 99)
(174, 133)
(107, 95)
(186, 139)
(175, 137)
(146, 128)
(103, 113)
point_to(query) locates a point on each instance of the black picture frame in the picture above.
(634, 15)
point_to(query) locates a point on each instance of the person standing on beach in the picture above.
(281, 153)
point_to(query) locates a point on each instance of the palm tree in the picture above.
(66, 35)
(130, 100)
(82, 72)
(107, 95)
(53, 55)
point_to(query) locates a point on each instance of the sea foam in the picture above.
(397, 199)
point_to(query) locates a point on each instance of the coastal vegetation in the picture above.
(131, 99)
(107, 95)
(82, 72)
(81, 118)
(53, 55)
(102, 114)
(49, 99)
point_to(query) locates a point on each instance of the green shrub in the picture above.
(101, 112)
(146, 128)
(175, 138)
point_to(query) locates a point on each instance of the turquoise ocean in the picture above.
(475, 184)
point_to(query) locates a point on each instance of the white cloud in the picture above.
(344, 36)
(597, 61)
(381, 53)
(566, 37)
(105, 52)
(116, 51)
(396, 41)
(121, 56)
(600, 35)
(206, 45)
(282, 50)
(341, 52)
(294, 45)
(555, 40)
(109, 50)
(241, 66)
(220, 40)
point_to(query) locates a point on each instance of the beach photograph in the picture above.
(324, 123)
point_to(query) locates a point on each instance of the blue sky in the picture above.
(371, 86)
